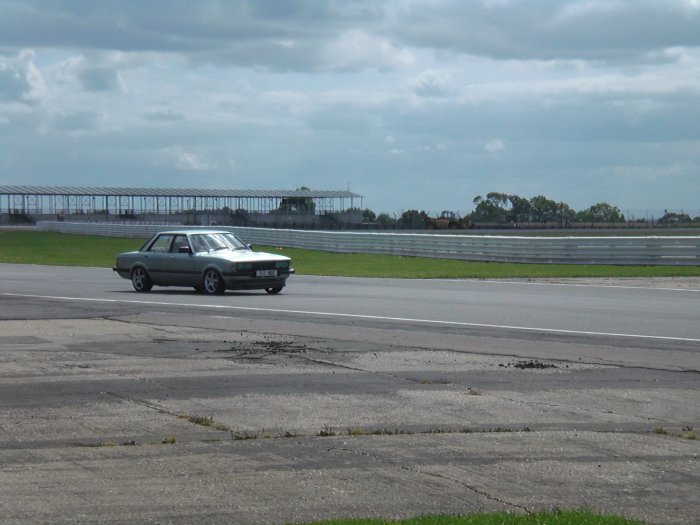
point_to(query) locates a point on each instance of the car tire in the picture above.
(273, 290)
(140, 280)
(213, 283)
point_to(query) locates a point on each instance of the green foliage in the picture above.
(675, 218)
(488, 210)
(543, 209)
(520, 210)
(413, 219)
(502, 207)
(385, 218)
(601, 212)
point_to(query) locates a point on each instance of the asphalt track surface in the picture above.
(345, 397)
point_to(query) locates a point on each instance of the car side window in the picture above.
(179, 241)
(161, 244)
(198, 244)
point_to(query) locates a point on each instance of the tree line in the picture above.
(504, 208)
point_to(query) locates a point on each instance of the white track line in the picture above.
(579, 285)
(359, 316)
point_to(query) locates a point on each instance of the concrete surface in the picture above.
(159, 415)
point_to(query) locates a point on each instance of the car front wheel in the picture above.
(140, 280)
(273, 291)
(213, 283)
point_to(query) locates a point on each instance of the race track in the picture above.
(345, 398)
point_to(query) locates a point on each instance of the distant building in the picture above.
(302, 208)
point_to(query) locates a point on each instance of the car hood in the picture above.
(244, 256)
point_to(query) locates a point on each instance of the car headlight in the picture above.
(242, 266)
(282, 264)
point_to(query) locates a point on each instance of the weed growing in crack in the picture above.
(327, 432)
(205, 422)
(242, 436)
(685, 433)
(435, 382)
(199, 420)
(395, 432)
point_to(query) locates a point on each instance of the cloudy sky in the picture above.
(413, 104)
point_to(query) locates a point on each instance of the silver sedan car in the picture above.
(211, 261)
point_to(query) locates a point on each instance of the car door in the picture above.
(157, 258)
(181, 262)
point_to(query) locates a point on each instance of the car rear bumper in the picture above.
(123, 272)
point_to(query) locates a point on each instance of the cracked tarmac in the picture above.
(162, 418)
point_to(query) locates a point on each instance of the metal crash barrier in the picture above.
(633, 250)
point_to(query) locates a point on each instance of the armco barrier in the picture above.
(647, 251)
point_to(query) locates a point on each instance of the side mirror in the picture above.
(184, 249)
(250, 246)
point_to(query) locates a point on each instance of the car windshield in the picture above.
(209, 242)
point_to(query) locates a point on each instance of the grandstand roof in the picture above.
(173, 192)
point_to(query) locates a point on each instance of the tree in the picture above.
(413, 219)
(489, 209)
(368, 215)
(520, 209)
(544, 209)
(601, 212)
(385, 218)
(499, 199)
(674, 218)
(565, 215)
(504, 207)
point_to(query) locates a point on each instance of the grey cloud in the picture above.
(100, 79)
(433, 84)
(551, 29)
(295, 35)
(75, 121)
(13, 84)
(272, 34)
(164, 115)
(17, 77)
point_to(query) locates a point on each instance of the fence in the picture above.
(646, 251)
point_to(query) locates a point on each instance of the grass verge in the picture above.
(553, 518)
(85, 250)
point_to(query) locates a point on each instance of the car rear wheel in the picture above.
(213, 283)
(273, 291)
(140, 280)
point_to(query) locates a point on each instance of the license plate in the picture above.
(266, 273)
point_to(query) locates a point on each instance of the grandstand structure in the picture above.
(30, 203)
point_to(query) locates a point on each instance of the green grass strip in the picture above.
(31, 247)
(553, 518)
